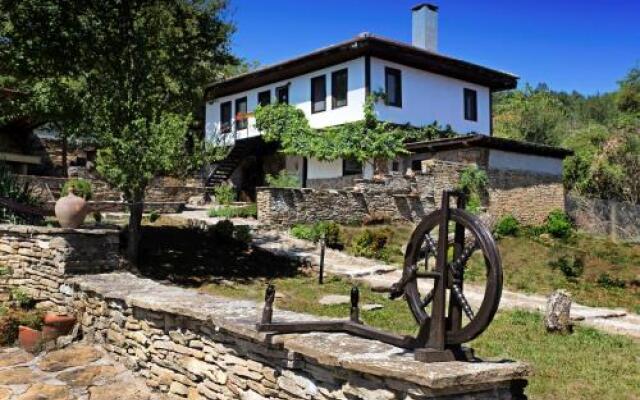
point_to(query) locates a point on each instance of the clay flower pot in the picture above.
(71, 210)
(28, 338)
(57, 325)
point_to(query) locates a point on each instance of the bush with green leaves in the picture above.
(79, 187)
(558, 224)
(224, 194)
(22, 298)
(246, 211)
(223, 229)
(11, 188)
(473, 181)
(154, 216)
(372, 244)
(314, 232)
(572, 267)
(283, 180)
(242, 233)
(607, 281)
(97, 216)
(507, 226)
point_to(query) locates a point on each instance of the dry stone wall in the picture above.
(41, 259)
(616, 219)
(528, 196)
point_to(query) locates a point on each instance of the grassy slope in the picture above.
(585, 365)
(526, 265)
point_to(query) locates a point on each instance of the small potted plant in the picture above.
(29, 331)
(55, 325)
(71, 208)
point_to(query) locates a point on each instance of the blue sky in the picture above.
(584, 45)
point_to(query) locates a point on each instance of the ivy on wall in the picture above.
(364, 140)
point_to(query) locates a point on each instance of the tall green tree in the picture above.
(137, 69)
(629, 92)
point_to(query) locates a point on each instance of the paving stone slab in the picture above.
(74, 356)
(14, 357)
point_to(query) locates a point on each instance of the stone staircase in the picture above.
(223, 170)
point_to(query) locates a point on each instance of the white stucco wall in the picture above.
(300, 96)
(428, 97)
(503, 160)
(324, 169)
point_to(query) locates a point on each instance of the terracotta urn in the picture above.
(71, 210)
(28, 338)
(57, 325)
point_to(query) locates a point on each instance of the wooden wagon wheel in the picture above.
(464, 321)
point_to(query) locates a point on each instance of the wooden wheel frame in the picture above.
(470, 235)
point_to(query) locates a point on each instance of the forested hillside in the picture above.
(602, 129)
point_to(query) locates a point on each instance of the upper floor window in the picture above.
(264, 98)
(225, 117)
(393, 86)
(339, 88)
(318, 94)
(470, 105)
(241, 113)
(282, 94)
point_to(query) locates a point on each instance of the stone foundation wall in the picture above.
(41, 259)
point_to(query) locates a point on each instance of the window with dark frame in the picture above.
(393, 86)
(470, 105)
(351, 167)
(225, 117)
(241, 113)
(282, 94)
(339, 88)
(318, 94)
(264, 98)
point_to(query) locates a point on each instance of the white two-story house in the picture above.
(330, 85)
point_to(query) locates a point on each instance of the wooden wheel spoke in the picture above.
(466, 307)
(427, 299)
(457, 264)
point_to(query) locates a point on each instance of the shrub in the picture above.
(8, 330)
(558, 224)
(282, 180)
(313, 233)
(242, 233)
(12, 189)
(248, 211)
(79, 187)
(372, 244)
(507, 226)
(224, 194)
(473, 181)
(97, 216)
(607, 281)
(154, 216)
(571, 267)
(223, 229)
(22, 298)
(31, 319)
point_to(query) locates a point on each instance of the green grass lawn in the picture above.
(584, 365)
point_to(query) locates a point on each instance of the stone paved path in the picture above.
(79, 372)
(381, 276)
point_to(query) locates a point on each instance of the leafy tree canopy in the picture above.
(127, 74)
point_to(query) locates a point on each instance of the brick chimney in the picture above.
(425, 26)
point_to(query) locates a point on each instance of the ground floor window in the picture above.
(351, 167)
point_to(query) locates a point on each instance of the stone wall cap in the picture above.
(50, 230)
(330, 349)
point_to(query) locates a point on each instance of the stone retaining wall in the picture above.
(41, 259)
(528, 196)
(162, 189)
(196, 346)
(616, 219)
